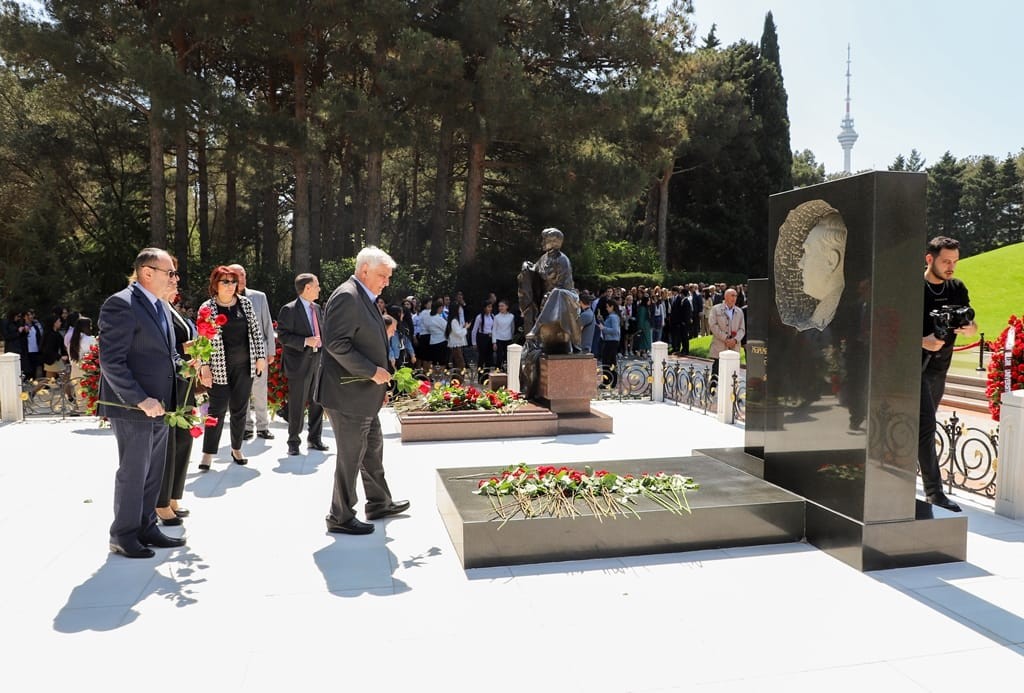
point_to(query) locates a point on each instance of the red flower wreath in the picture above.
(996, 373)
(277, 382)
(89, 385)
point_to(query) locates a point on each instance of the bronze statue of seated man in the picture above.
(550, 307)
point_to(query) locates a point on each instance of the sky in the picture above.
(931, 75)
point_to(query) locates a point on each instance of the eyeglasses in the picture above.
(228, 281)
(171, 274)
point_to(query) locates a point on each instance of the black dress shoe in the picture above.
(394, 509)
(171, 521)
(317, 445)
(139, 551)
(247, 435)
(353, 526)
(265, 435)
(154, 537)
(293, 449)
(239, 460)
(182, 512)
(943, 501)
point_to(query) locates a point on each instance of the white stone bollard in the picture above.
(659, 354)
(728, 364)
(10, 387)
(1010, 479)
(515, 359)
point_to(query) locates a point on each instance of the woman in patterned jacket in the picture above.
(238, 357)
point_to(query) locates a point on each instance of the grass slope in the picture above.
(995, 280)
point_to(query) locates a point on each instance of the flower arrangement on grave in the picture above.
(417, 395)
(555, 491)
(997, 365)
(194, 418)
(277, 381)
(89, 385)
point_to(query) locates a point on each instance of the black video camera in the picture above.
(949, 318)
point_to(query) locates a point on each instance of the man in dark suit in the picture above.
(351, 385)
(138, 367)
(680, 317)
(696, 310)
(298, 329)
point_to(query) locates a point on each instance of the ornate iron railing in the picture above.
(50, 396)
(691, 386)
(739, 396)
(968, 456)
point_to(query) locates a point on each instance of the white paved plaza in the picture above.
(263, 598)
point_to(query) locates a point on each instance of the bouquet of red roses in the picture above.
(200, 349)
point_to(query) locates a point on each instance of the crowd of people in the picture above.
(147, 327)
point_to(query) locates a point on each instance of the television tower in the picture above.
(847, 135)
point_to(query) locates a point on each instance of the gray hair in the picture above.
(372, 256)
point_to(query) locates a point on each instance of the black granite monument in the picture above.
(840, 380)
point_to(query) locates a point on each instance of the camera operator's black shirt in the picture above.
(952, 293)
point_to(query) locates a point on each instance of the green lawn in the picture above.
(996, 282)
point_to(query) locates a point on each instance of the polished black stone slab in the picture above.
(835, 409)
(731, 508)
(928, 539)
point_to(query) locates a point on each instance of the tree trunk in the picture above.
(442, 192)
(412, 230)
(270, 259)
(474, 197)
(203, 208)
(157, 190)
(374, 181)
(316, 209)
(666, 176)
(230, 203)
(181, 188)
(300, 231)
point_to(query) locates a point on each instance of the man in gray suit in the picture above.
(258, 399)
(351, 384)
(139, 368)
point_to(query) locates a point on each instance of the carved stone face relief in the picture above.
(808, 265)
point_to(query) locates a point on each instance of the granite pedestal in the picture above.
(731, 508)
(839, 396)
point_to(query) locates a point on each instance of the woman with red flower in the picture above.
(179, 442)
(239, 355)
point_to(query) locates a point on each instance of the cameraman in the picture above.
(941, 291)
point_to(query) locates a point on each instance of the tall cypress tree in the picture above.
(771, 104)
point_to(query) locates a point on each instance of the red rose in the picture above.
(195, 431)
(210, 421)
(204, 312)
(221, 320)
(424, 388)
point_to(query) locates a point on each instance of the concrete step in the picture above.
(966, 392)
(972, 380)
(965, 403)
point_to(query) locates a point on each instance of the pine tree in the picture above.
(807, 171)
(1011, 202)
(945, 188)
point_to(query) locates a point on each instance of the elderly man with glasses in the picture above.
(136, 385)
